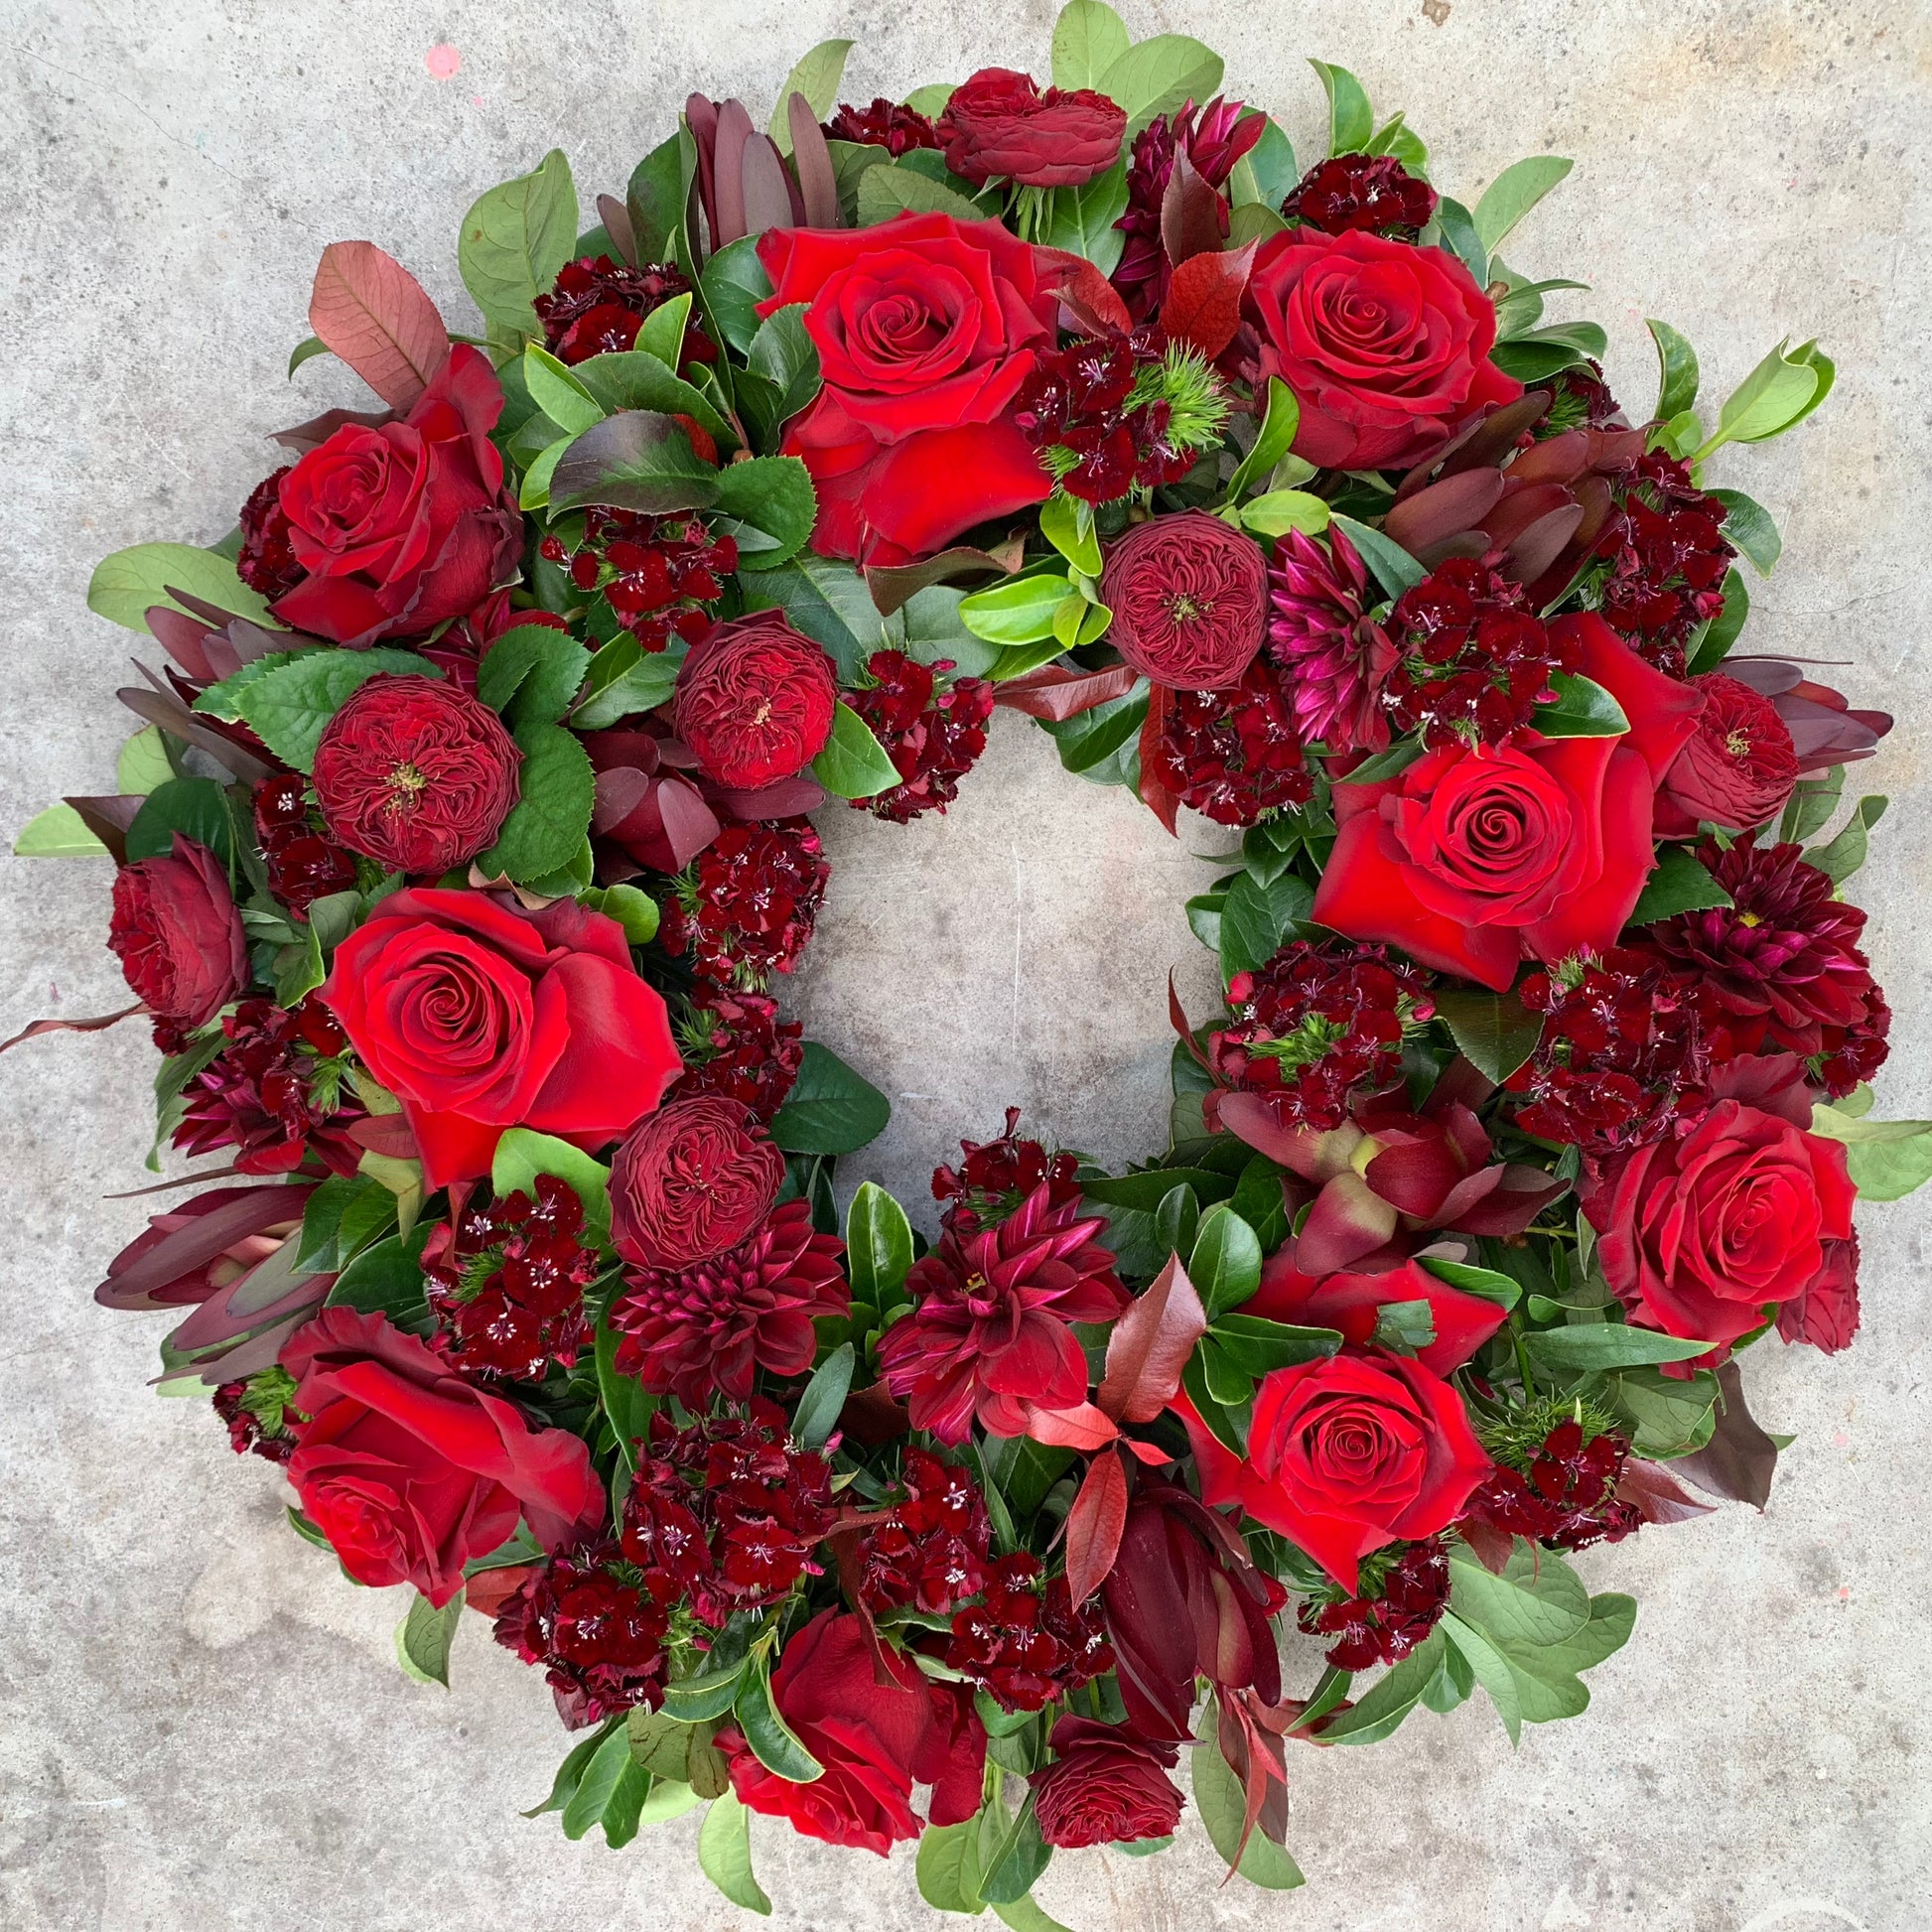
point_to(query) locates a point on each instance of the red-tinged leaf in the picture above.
(311, 435)
(1204, 305)
(1084, 1428)
(490, 1590)
(1149, 1453)
(1192, 216)
(1491, 1546)
(811, 161)
(891, 585)
(1093, 303)
(1738, 1460)
(844, 1544)
(1094, 1524)
(617, 224)
(1657, 1496)
(1162, 804)
(1177, 1018)
(1149, 1346)
(109, 818)
(378, 319)
(163, 709)
(1248, 1118)
(387, 1135)
(1056, 693)
(36, 1027)
(874, 1415)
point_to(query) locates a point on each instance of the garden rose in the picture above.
(1386, 345)
(1735, 769)
(998, 123)
(403, 525)
(693, 1179)
(1108, 1785)
(178, 935)
(925, 328)
(479, 1015)
(409, 1471)
(416, 774)
(1189, 598)
(755, 701)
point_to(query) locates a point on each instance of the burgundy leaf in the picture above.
(1149, 1346)
(733, 135)
(1204, 305)
(617, 224)
(385, 1133)
(891, 585)
(769, 197)
(1162, 804)
(1086, 295)
(1738, 1460)
(317, 431)
(1094, 1524)
(1191, 221)
(109, 819)
(872, 1416)
(36, 1027)
(378, 319)
(1657, 1496)
(1057, 693)
(813, 161)
(160, 707)
(1178, 1019)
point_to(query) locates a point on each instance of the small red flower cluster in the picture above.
(1027, 1642)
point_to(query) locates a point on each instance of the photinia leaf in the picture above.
(1204, 305)
(638, 460)
(1094, 1525)
(1150, 1345)
(378, 319)
(1224, 1808)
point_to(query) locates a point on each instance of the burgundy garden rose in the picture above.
(480, 1016)
(403, 525)
(1189, 598)
(925, 329)
(755, 701)
(1736, 771)
(409, 1471)
(1385, 346)
(416, 774)
(178, 935)
(693, 1179)
(1107, 1785)
(998, 123)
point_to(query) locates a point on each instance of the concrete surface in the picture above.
(202, 1723)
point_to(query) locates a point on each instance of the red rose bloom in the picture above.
(1189, 598)
(1107, 1786)
(409, 1471)
(1736, 771)
(693, 1179)
(1701, 1233)
(999, 123)
(404, 525)
(1353, 1304)
(1385, 346)
(925, 328)
(479, 1017)
(755, 701)
(876, 1742)
(1347, 1455)
(415, 774)
(179, 938)
(1469, 858)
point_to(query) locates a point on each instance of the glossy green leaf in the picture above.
(853, 764)
(1677, 364)
(1282, 510)
(1392, 567)
(830, 1109)
(1582, 709)
(817, 1414)
(196, 808)
(1589, 1348)
(624, 678)
(1780, 391)
(558, 394)
(771, 1740)
(1019, 611)
(1750, 525)
(531, 673)
(816, 75)
(522, 1154)
(1225, 1266)
(1351, 120)
(1680, 884)
(1503, 1289)
(638, 460)
(768, 505)
(1887, 1159)
(879, 1250)
(725, 1853)
(1380, 1710)
(1159, 75)
(1088, 38)
(1721, 633)
(733, 283)
(552, 815)
(1512, 194)
(424, 1637)
(1493, 1031)
(514, 240)
(1272, 440)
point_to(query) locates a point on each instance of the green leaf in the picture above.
(1404, 1328)
(1159, 75)
(1494, 1032)
(1503, 1289)
(1020, 1859)
(145, 762)
(289, 709)
(1582, 709)
(1088, 38)
(624, 678)
(196, 808)
(816, 77)
(853, 764)
(1257, 919)
(1847, 852)
(1222, 1805)
(725, 1853)
(1259, 1346)
(608, 1765)
(947, 1865)
(1395, 569)
(878, 1251)
(516, 239)
(306, 351)
(58, 832)
(1591, 1348)
(1782, 391)
(817, 1414)
(1813, 801)
(827, 600)
(1066, 523)
(1721, 633)
(531, 673)
(733, 283)
(1749, 525)
(424, 1637)
(1676, 362)
(1102, 745)
(1259, 1200)
(830, 1109)
(1225, 1266)
(1680, 884)
(638, 460)
(1513, 193)
(1537, 1599)
(522, 1154)
(634, 378)
(1147, 1190)
(1272, 442)
(892, 189)
(1351, 121)
(769, 1736)
(386, 1279)
(657, 196)
(1019, 611)
(1887, 1159)
(1081, 219)
(552, 814)
(1282, 510)
(1267, 172)
(558, 394)
(782, 373)
(1027, 1915)
(1668, 1415)
(1490, 1668)
(767, 503)
(1377, 1714)
(1024, 1470)
(1457, 228)
(126, 585)
(628, 1406)
(663, 331)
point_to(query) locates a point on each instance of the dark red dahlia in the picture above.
(657, 573)
(1213, 138)
(1321, 1021)
(1231, 754)
(1096, 412)
(933, 733)
(1625, 1050)
(267, 563)
(988, 1334)
(1335, 657)
(932, 1550)
(1783, 963)
(259, 1414)
(1382, 1628)
(274, 1093)
(736, 1046)
(1371, 193)
(598, 305)
(994, 1176)
(745, 909)
(304, 864)
(597, 1628)
(1027, 1643)
(1565, 1497)
(506, 1280)
(1473, 658)
(884, 124)
(712, 1326)
(1667, 558)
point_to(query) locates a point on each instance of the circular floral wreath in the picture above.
(467, 834)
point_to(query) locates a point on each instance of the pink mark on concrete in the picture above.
(1841, 1441)
(442, 61)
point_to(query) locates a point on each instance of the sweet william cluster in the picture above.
(473, 841)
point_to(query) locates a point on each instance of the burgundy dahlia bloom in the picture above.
(999, 124)
(711, 1326)
(1189, 598)
(1335, 657)
(932, 732)
(1213, 138)
(746, 906)
(1028, 1644)
(598, 1633)
(884, 124)
(994, 1176)
(987, 1333)
(597, 306)
(932, 1552)
(736, 1046)
(1231, 754)
(1373, 194)
(1738, 769)
(1383, 1626)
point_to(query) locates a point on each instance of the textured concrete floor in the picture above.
(201, 1723)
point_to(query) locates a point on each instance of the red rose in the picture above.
(1737, 769)
(693, 1179)
(925, 328)
(1385, 346)
(1469, 858)
(409, 1471)
(177, 933)
(479, 1017)
(876, 1742)
(1189, 598)
(1353, 1304)
(1107, 1786)
(1346, 1455)
(415, 774)
(1825, 1311)
(1743, 1210)
(999, 123)
(755, 701)
(404, 525)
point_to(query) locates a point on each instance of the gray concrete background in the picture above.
(202, 1724)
